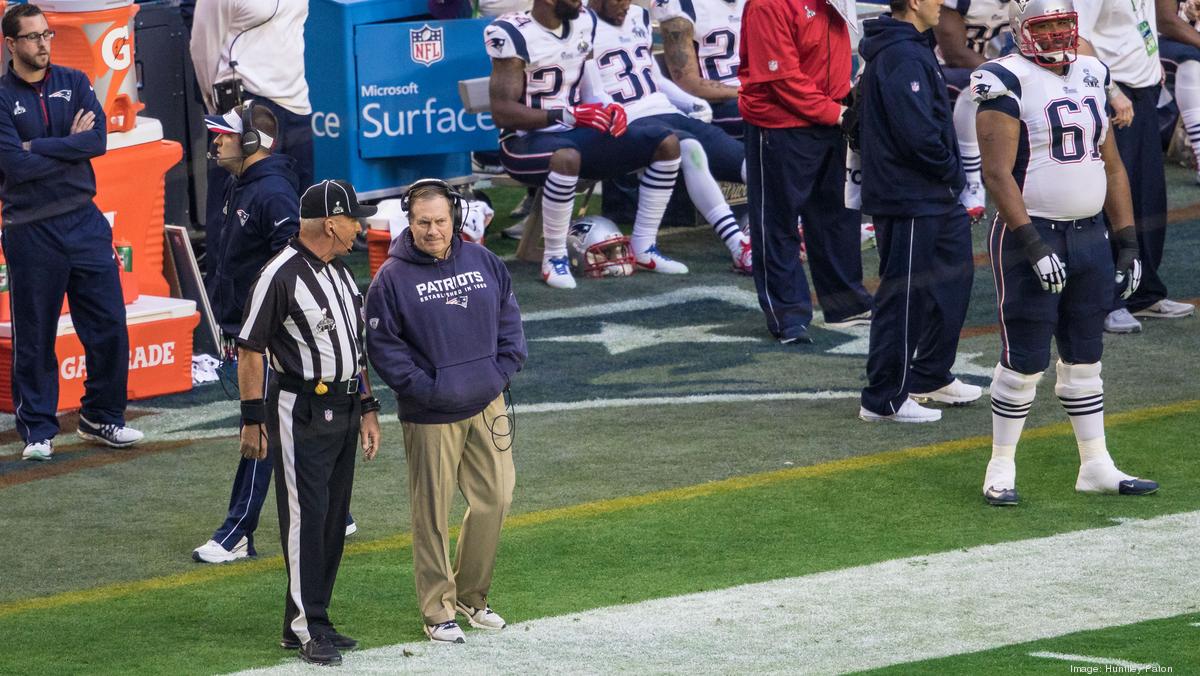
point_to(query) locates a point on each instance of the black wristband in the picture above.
(1126, 238)
(1032, 243)
(254, 412)
(370, 405)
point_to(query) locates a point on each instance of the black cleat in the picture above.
(339, 641)
(1137, 487)
(1000, 497)
(320, 651)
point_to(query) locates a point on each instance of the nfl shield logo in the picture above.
(328, 415)
(427, 44)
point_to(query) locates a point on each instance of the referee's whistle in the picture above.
(321, 388)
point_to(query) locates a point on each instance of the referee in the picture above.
(305, 313)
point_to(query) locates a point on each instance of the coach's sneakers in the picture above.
(116, 436)
(799, 337)
(351, 528)
(910, 412)
(446, 632)
(1104, 477)
(860, 319)
(743, 263)
(213, 552)
(652, 259)
(557, 272)
(38, 450)
(1167, 309)
(957, 393)
(320, 650)
(1120, 321)
(483, 618)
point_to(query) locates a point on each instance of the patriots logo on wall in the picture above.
(427, 44)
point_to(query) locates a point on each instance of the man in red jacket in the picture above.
(794, 72)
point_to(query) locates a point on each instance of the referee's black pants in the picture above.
(1141, 152)
(312, 440)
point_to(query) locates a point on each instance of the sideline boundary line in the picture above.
(583, 510)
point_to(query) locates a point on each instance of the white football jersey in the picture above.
(625, 56)
(986, 23)
(1063, 124)
(716, 30)
(553, 60)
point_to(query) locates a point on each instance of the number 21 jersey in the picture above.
(1063, 124)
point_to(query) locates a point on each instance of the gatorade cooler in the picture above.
(96, 37)
(5, 310)
(130, 190)
(123, 255)
(378, 241)
(160, 352)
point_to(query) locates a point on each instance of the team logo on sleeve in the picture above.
(496, 42)
(427, 44)
(981, 89)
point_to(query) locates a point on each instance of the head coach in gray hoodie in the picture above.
(444, 332)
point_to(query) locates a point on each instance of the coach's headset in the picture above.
(252, 140)
(455, 198)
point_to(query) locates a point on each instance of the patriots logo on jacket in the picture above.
(460, 301)
(243, 216)
(61, 94)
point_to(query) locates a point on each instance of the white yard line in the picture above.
(872, 616)
(1124, 665)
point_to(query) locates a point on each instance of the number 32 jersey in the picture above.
(716, 30)
(553, 60)
(624, 55)
(1063, 124)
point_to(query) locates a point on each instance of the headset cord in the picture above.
(510, 418)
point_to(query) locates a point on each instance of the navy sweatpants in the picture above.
(70, 254)
(925, 275)
(1141, 153)
(792, 173)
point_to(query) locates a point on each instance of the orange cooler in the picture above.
(379, 239)
(160, 352)
(130, 190)
(96, 37)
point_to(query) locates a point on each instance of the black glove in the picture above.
(1051, 271)
(850, 119)
(1129, 265)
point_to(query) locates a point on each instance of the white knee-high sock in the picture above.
(653, 194)
(558, 200)
(706, 194)
(968, 141)
(1187, 95)
(1081, 392)
(1012, 397)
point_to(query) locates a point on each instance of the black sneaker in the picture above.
(339, 641)
(320, 650)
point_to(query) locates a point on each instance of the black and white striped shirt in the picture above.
(307, 316)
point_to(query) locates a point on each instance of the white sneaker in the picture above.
(38, 450)
(1167, 309)
(652, 259)
(860, 319)
(957, 393)
(484, 618)
(556, 272)
(910, 412)
(1120, 321)
(351, 528)
(213, 552)
(112, 435)
(446, 632)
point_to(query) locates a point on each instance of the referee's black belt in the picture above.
(302, 386)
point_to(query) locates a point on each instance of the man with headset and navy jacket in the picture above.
(260, 214)
(57, 242)
(444, 332)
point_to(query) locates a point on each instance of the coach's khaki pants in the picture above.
(440, 456)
